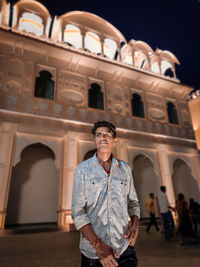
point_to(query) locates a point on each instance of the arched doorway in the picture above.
(145, 181)
(184, 182)
(33, 193)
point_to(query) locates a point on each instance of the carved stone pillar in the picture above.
(166, 173)
(195, 166)
(69, 165)
(7, 134)
(121, 150)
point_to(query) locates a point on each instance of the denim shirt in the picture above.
(106, 202)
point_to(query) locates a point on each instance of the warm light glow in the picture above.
(155, 67)
(92, 42)
(139, 58)
(128, 60)
(7, 13)
(31, 23)
(110, 48)
(72, 35)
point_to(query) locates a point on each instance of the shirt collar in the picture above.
(95, 161)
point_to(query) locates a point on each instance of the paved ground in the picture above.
(60, 249)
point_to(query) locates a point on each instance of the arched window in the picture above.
(110, 48)
(92, 43)
(169, 73)
(139, 59)
(72, 36)
(166, 69)
(31, 23)
(172, 113)
(155, 67)
(44, 85)
(137, 106)
(95, 97)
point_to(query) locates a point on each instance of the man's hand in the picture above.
(132, 232)
(106, 255)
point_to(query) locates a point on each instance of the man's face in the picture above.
(104, 139)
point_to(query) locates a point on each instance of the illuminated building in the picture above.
(194, 106)
(60, 75)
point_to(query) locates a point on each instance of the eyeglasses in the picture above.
(105, 135)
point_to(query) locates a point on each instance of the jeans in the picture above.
(152, 222)
(127, 259)
(168, 224)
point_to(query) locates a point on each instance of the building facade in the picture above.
(60, 75)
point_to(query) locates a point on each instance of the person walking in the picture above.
(185, 225)
(165, 210)
(103, 199)
(150, 208)
(195, 213)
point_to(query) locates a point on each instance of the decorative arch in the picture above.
(31, 16)
(22, 141)
(145, 180)
(86, 22)
(34, 198)
(183, 180)
(186, 160)
(167, 61)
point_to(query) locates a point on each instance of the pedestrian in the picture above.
(185, 225)
(103, 199)
(149, 205)
(195, 213)
(165, 210)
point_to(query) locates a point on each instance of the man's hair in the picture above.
(180, 196)
(151, 194)
(162, 188)
(104, 124)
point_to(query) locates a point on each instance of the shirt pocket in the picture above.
(119, 186)
(94, 190)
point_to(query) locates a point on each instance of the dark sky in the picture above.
(172, 25)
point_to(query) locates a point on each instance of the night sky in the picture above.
(172, 25)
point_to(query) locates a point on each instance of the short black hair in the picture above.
(162, 188)
(104, 124)
(151, 194)
(180, 196)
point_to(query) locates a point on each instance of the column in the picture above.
(7, 134)
(121, 150)
(166, 173)
(69, 164)
(195, 165)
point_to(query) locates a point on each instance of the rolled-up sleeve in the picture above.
(79, 214)
(133, 202)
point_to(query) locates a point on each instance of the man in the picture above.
(149, 205)
(103, 199)
(195, 212)
(168, 221)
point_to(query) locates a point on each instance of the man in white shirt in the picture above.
(168, 221)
